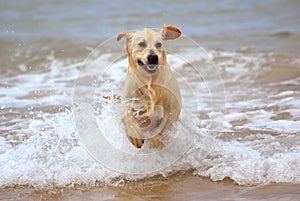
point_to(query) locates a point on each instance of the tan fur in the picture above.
(152, 100)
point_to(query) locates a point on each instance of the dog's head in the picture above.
(146, 48)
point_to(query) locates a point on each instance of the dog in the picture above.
(151, 93)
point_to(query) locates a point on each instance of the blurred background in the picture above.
(231, 24)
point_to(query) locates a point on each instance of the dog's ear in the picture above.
(170, 33)
(125, 34)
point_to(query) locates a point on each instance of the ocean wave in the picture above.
(255, 141)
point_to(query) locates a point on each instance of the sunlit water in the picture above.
(241, 104)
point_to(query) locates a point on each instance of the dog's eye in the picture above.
(158, 45)
(142, 44)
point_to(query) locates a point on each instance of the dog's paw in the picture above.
(138, 143)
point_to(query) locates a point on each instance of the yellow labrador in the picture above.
(151, 93)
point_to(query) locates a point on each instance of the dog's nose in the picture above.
(152, 59)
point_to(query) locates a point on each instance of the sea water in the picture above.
(237, 66)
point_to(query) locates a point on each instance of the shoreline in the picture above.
(175, 187)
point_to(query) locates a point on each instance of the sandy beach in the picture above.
(175, 188)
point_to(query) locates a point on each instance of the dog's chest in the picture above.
(148, 94)
(143, 104)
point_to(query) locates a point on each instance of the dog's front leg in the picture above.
(133, 130)
(158, 118)
(156, 140)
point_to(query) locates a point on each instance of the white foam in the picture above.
(54, 156)
(236, 117)
(4, 146)
(285, 93)
(247, 166)
(280, 126)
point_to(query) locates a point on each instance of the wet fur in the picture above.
(152, 97)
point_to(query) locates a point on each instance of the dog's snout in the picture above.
(152, 59)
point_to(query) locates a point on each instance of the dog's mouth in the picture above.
(150, 68)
